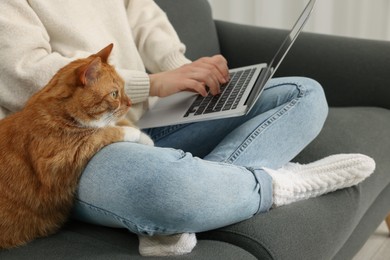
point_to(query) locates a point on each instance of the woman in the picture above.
(198, 176)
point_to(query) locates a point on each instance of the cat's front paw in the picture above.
(134, 135)
(131, 134)
(145, 139)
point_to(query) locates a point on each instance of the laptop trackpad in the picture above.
(179, 102)
(168, 110)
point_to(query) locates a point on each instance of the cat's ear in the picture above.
(105, 53)
(90, 72)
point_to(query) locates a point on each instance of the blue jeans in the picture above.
(204, 175)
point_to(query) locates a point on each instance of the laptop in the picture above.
(237, 97)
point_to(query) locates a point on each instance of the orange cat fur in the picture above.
(44, 147)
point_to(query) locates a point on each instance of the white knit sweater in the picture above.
(38, 37)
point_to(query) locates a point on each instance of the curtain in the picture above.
(354, 18)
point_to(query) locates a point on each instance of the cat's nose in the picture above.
(128, 102)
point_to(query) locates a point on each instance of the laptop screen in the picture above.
(269, 71)
(291, 37)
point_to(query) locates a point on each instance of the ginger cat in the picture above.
(45, 147)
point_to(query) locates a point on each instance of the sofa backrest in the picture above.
(194, 24)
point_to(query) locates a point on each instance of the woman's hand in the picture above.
(207, 71)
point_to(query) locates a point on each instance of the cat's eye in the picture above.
(115, 94)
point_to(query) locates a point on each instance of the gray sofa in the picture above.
(355, 76)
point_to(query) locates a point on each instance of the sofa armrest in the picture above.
(353, 72)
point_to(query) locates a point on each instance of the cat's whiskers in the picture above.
(111, 119)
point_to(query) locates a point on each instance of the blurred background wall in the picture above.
(355, 18)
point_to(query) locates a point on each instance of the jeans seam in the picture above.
(236, 154)
(127, 223)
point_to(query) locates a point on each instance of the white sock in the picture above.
(295, 182)
(178, 244)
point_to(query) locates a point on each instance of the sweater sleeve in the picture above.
(28, 61)
(156, 39)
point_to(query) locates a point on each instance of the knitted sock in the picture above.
(178, 244)
(295, 182)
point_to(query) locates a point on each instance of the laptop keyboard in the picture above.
(229, 98)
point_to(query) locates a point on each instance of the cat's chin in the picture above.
(104, 121)
(96, 124)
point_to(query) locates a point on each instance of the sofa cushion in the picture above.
(84, 241)
(321, 226)
(194, 25)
